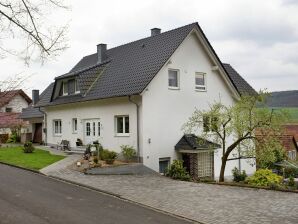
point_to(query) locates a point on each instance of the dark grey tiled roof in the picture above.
(129, 68)
(31, 112)
(283, 99)
(193, 142)
(240, 84)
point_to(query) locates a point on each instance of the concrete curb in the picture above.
(20, 167)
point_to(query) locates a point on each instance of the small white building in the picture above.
(140, 94)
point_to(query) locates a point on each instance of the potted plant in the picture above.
(79, 142)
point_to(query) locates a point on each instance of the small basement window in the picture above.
(173, 79)
(122, 125)
(200, 81)
(164, 164)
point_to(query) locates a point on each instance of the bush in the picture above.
(128, 152)
(290, 172)
(266, 178)
(291, 182)
(108, 156)
(95, 160)
(177, 171)
(13, 138)
(28, 147)
(238, 176)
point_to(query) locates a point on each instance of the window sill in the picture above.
(201, 90)
(174, 88)
(57, 135)
(122, 135)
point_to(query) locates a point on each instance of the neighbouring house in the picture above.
(35, 117)
(287, 100)
(11, 104)
(140, 94)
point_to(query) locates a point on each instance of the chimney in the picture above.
(155, 31)
(35, 96)
(101, 53)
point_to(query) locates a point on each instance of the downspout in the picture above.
(45, 126)
(138, 134)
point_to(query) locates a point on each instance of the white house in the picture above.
(140, 94)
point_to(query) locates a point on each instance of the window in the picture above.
(173, 79)
(164, 164)
(98, 126)
(88, 129)
(210, 123)
(77, 89)
(74, 125)
(94, 128)
(205, 164)
(57, 127)
(65, 88)
(8, 109)
(200, 81)
(122, 125)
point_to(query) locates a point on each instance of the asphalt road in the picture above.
(26, 197)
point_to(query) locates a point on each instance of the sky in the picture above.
(258, 38)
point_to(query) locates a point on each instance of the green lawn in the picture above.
(36, 160)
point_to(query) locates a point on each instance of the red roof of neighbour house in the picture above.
(7, 96)
(11, 120)
(292, 129)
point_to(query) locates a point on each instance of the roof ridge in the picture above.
(145, 38)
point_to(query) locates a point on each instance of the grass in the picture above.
(36, 160)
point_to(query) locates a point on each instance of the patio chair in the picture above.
(64, 145)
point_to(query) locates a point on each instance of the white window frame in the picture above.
(77, 86)
(178, 79)
(59, 133)
(63, 85)
(123, 134)
(74, 125)
(201, 88)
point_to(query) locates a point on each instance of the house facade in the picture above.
(11, 104)
(141, 94)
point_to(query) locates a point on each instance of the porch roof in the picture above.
(195, 143)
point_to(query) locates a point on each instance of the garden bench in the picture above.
(64, 145)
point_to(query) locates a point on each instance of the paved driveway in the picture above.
(202, 202)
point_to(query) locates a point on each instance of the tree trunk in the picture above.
(222, 168)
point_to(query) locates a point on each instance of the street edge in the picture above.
(20, 167)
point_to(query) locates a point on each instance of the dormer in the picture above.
(69, 87)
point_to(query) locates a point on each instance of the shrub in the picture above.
(264, 177)
(95, 160)
(28, 147)
(12, 138)
(291, 182)
(290, 172)
(177, 171)
(108, 156)
(128, 152)
(238, 175)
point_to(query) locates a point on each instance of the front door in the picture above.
(37, 138)
(186, 161)
(92, 130)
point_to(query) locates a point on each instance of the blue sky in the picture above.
(258, 38)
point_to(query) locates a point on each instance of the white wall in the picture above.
(17, 104)
(105, 110)
(166, 110)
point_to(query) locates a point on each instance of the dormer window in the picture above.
(70, 87)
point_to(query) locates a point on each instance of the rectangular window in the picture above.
(57, 127)
(210, 123)
(122, 125)
(8, 109)
(74, 125)
(94, 128)
(77, 89)
(98, 128)
(200, 81)
(164, 164)
(173, 79)
(65, 88)
(88, 129)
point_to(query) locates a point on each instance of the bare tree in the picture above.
(26, 25)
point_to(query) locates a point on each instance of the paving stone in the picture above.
(205, 203)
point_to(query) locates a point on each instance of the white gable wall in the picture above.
(166, 110)
(17, 103)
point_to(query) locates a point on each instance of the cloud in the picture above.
(259, 38)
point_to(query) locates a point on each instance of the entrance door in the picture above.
(91, 130)
(37, 138)
(186, 161)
